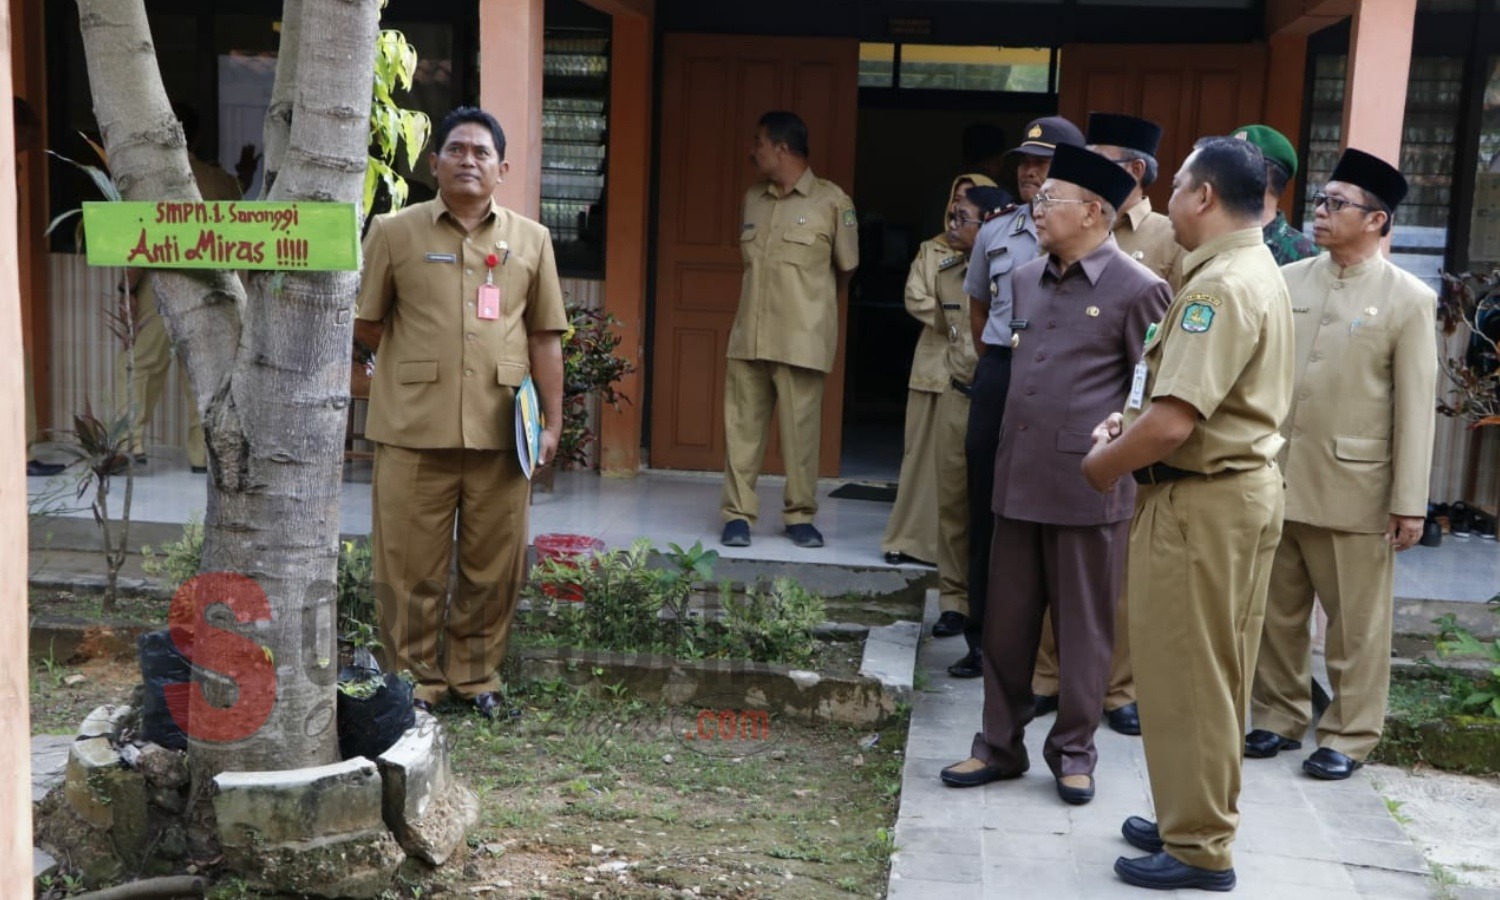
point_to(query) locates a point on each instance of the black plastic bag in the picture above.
(368, 726)
(162, 665)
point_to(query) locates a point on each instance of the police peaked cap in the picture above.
(1372, 173)
(1092, 172)
(989, 199)
(1045, 134)
(1118, 130)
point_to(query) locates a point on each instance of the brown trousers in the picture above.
(1121, 680)
(1200, 563)
(153, 359)
(1075, 572)
(1354, 576)
(418, 496)
(752, 390)
(913, 525)
(951, 467)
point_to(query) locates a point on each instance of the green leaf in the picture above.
(60, 219)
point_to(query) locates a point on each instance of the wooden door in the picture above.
(714, 90)
(1189, 90)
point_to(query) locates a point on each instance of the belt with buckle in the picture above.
(1161, 473)
(963, 388)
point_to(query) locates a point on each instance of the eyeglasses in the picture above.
(1042, 202)
(1336, 204)
(961, 221)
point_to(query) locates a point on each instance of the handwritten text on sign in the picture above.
(239, 234)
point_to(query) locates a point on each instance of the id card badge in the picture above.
(489, 301)
(1137, 387)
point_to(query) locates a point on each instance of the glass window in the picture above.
(877, 65)
(1484, 230)
(1021, 69)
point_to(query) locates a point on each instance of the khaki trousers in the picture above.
(912, 527)
(1121, 680)
(951, 472)
(752, 389)
(1354, 577)
(153, 357)
(1196, 579)
(417, 496)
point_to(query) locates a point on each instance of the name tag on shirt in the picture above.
(489, 301)
(1137, 387)
(442, 257)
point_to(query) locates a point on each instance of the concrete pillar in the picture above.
(15, 712)
(1379, 63)
(1286, 73)
(510, 87)
(628, 200)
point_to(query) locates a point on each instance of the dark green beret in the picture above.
(1272, 143)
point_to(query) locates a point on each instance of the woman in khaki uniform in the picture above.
(911, 532)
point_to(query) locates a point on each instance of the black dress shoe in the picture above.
(1263, 744)
(968, 667)
(492, 706)
(1125, 720)
(199, 470)
(972, 773)
(1076, 795)
(1161, 872)
(35, 468)
(1142, 834)
(1045, 703)
(949, 624)
(897, 558)
(1330, 765)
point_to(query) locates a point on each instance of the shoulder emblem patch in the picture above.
(849, 218)
(949, 263)
(1197, 317)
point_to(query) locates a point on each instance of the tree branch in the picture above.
(278, 130)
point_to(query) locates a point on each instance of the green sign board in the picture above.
(222, 234)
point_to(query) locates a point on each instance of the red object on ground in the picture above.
(564, 547)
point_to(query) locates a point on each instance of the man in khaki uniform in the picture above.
(799, 238)
(468, 295)
(1200, 435)
(1357, 463)
(153, 346)
(911, 533)
(1145, 235)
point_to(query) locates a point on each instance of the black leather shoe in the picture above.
(1262, 744)
(805, 535)
(972, 773)
(422, 705)
(1045, 703)
(1161, 872)
(897, 558)
(1076, 795)
(968, 667)
(736, 533)
(949, 624)
(1142, 834)
(1125, 720)
(199, 470)
(1330, 765)
(35, 468)
(492, 706)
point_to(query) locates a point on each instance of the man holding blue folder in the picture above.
(468, 297)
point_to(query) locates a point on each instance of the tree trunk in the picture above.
(271, 374)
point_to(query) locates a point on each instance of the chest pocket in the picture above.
(1000, 266)
(747, 241)
(802, 247)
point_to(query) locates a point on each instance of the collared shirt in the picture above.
(1225, 348)
(1148, 238)
(1359, 435)
(792, 245)
(445, 378)
(1002, 244)
(935, 297)
(1080, 332)
(1286, 243)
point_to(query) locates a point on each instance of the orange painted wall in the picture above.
(1379, 64)
(510, 87)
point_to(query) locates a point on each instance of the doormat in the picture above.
(854, 490)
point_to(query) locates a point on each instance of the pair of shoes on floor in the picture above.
(737, 534)
(1125, 720)
(897, 558)
(1263, 744)
(35, 468)
(971, 666)
(974, 772)
(1161, 871)
(949, 624)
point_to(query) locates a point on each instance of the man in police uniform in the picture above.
(468, 295)
(799, 239)
(1200, 435)
(1003, 243)
(1287, 244)
(1141, 232)
(1357, 463)
(1080, 317)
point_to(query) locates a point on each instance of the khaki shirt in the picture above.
(1225, 348)
(445, 378)
(1359, 436)
(792, 245)
(935, 297)
(1147, 237)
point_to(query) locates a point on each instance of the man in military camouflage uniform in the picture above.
(1286, 243)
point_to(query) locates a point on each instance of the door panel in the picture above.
(714, 89)
(1190, 90)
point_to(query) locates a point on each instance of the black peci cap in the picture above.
(1092, 172)
(1118, 130)
(1372, 173)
